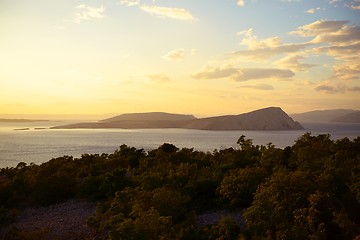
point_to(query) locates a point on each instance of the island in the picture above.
(327, 116)
(271, 118)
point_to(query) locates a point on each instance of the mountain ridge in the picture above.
(324, 116)
(271, 118)
(353, 117)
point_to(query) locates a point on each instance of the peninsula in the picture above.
(272, 118)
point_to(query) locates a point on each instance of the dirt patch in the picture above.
(63, 221)
(210, 218)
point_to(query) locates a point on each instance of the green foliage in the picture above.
(146, 225)
(310, 190)
(55, 181)
(239, 185)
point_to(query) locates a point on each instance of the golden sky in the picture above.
(195, 57)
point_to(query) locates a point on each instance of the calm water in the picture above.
(41, 145)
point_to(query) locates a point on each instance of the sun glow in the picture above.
(134, 56)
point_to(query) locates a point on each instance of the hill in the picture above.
(150, 116)
(272, 118)
(321, 115)
(353, 117)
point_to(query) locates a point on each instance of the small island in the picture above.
(272, 118)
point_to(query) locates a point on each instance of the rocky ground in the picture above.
(209, 218)
(61, 221)
(67, 220)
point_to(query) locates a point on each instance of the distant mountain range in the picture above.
(20, 120)
(272, 118)
(336, 115)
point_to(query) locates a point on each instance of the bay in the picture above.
(39, 144)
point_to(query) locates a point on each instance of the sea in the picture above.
(34, 142)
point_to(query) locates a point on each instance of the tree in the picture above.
(239, 186)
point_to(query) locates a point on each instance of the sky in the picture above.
(201, 57)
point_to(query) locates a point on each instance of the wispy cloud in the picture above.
(251, 41)
(326, 87)
(319, 27)
(334, 1)
(262, 49)
(293, 62)
(245, 74)
(158, 78)
(165, 12)
(263, 54)
(259, 87)
(85, 12)
(355, 4)
(175, 55)
(242, 74)
(209, 72)
(357, 7)
(313, 10)
(129, 2)
(347, 71)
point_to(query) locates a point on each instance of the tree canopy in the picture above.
(310, 190)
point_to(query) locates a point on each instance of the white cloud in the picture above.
(312, 10)
(344, 36)
(175, 55)
(242, 74)
(343, 45)
(174, 13)
(130, 3)
(86, 13)
(263, 49)
(251, 41)
(319, 27)
(293, 62)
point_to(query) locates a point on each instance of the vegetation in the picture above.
(308, 191)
